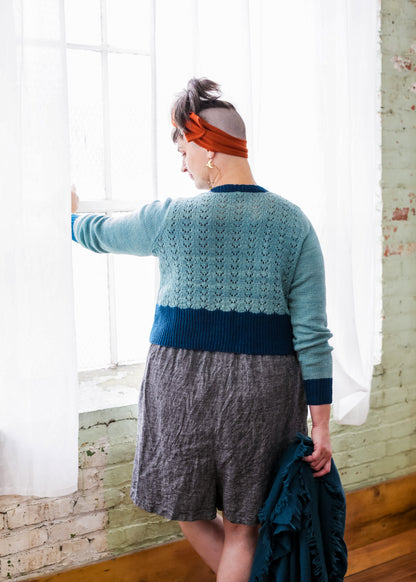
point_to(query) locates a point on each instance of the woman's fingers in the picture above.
(74, 200)
(320, 460)
(324, 470)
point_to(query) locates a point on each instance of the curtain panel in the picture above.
(38, 381)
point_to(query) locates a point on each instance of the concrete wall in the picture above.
(38, 536)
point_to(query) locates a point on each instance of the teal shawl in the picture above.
(303, 520)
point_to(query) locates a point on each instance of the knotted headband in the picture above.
(213, 139)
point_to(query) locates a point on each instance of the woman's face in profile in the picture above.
(194, 160)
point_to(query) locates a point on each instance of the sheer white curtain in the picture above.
(38, 383)
(351, 234)
(305, 76)
(318, 143)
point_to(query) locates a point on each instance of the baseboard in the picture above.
(172, 562)
(381, 511)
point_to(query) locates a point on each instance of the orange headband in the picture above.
(213, 139)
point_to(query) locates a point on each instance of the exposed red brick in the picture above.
(400, 249)
(400, 214)
(389, 251)
(402, 64)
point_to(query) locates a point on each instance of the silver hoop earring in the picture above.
(210, 164)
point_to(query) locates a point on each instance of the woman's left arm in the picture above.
(307, 306)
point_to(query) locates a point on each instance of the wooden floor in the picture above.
(401, 569)
(386, 550)
(380, 536)
(177, 562)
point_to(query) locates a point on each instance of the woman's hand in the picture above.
(320, 460)
(74, 200)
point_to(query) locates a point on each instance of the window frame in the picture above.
(109, 205)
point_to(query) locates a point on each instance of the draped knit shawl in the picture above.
(303, 520)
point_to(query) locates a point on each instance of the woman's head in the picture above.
(210, 135)
(202, 97)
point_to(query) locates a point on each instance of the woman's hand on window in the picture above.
(74, 199)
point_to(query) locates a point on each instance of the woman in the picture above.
(239, 344)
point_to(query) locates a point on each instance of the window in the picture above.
(111, 91)
(307, 84)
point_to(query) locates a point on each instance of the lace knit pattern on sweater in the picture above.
(233, 251)
(241, 270)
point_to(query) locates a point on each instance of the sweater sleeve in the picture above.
(307, 306)
(132, 233)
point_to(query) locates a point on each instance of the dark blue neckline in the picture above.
(238, 188)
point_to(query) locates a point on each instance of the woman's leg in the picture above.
(228, 548)
(207, 538)
(238, 552)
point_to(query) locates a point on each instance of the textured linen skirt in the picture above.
(211, 428)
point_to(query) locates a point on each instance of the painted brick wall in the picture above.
(385, 447)
(38, 536)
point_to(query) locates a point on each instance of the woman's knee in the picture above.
(187, 526)
(238, 530)
(201, 525)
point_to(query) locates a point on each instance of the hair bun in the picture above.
(199, 94)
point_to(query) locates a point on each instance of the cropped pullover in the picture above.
(241, 271)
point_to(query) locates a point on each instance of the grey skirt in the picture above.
(211, 428)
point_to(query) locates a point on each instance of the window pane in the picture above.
(91, 308)
(129, 24)
(86, 123)
(130, 127)
(135, 300)
(83, 21)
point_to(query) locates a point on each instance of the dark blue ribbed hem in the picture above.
(222, 331)
(238, 188)
(318, 391)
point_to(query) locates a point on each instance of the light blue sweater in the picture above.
(241, 271)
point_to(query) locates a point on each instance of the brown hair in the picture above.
(200, 94)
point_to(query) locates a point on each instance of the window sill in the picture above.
(109, 387)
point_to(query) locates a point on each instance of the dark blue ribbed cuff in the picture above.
(73, 219)
(318, 391)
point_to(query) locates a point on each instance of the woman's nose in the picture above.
(184, 168)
